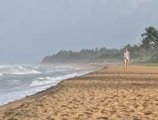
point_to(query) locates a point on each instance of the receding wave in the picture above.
(18, 70)
(52, 80)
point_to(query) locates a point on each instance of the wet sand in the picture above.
(108, 94)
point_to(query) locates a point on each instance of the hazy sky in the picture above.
(31, 29)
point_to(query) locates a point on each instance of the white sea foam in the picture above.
(15, 95)
(18, 70)
(23, 72)
(52, 80)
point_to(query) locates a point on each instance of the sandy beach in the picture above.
(107, 94)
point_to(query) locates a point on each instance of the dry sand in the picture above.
(107, 94)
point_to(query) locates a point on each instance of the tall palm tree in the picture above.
(150, 38)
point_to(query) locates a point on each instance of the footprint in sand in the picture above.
(82, 117)
(137, 117)
(64, 116)
(102, 118)
(50, 118)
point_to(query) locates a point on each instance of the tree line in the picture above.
(146, 51)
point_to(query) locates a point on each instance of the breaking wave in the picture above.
(19, 81)
(53, 80)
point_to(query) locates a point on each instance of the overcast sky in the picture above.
(32, 29)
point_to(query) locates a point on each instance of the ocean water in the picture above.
(19, 81)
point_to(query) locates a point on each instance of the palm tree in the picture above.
(150, 38)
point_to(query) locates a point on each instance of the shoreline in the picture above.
(108, 93)
(82, 70)
(93, 67)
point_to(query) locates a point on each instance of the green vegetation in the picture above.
(84, 56)
(146, 52)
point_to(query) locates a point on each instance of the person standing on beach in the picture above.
(126, 58)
